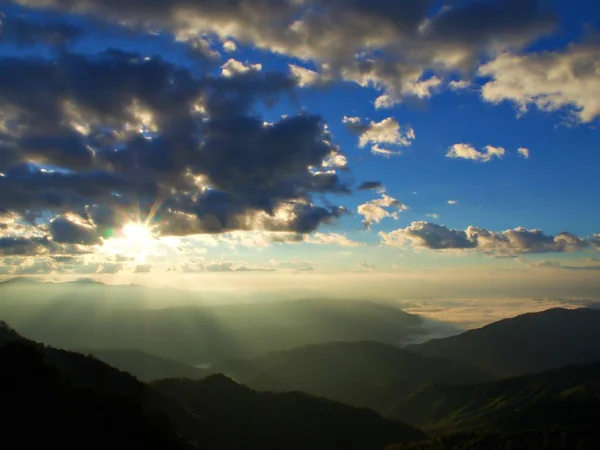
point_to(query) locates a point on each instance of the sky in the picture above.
(388, 148)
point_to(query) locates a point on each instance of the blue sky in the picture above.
(529, 80)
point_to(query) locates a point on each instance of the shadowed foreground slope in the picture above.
(75, 401)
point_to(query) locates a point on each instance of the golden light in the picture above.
(137, 233)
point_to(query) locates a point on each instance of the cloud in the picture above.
(365, 267)
(549, 80)
(514, 242)
(371, 186)
(392, 46)
(467, 151)
(72, 229)
(23, 32)
(233, 66)
(332, 239)
(378, 209)
(588, 264)
(388, 131)
(304, 77)
(143, 268)
(459, 85)
(295, 265)
(109, 268)
(427, 235)
(229, 46)
(191, 146)
(523, 152)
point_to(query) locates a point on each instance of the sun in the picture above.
(137, 233)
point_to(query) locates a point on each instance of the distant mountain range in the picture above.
(361, 373)
(316, 396)
(144, 366)
(569, 396)
(95, 316)
(532, 342)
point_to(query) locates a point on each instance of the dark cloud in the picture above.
(429, 235)
(111, 133)
(399, 42)
(69, 230)
(506, 243)
(25, 32)
(370, 186)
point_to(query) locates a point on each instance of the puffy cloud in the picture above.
(72, 229)
(388, 131)
(427, 235)
(229, 46)
(523, 152)
(393, 46)
(506, 243)
(521, 240)
(304, 77)
(378, 209)
(459, 85)
(548, 80)
(233, 66)
(467, 151)
(189, 148)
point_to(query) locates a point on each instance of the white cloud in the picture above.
(548, 80)
(388, 131)
(376, 210)
(304, 77)
(233, 66)
(524, 152)
(229, 46)
(467, 151)
(459, 85)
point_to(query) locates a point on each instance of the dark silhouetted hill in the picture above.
(294, 420)
(361, 373)
(556, 439)
(528, 343)
(54, 397)
(144, 366)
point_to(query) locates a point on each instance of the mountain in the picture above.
(569, 396)
(162, 323)
(291, 420)
(555, 439)
(69, 400)
(7, 334)
(145, 366)
(360, 373)
(528, 343)
(76, 401)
